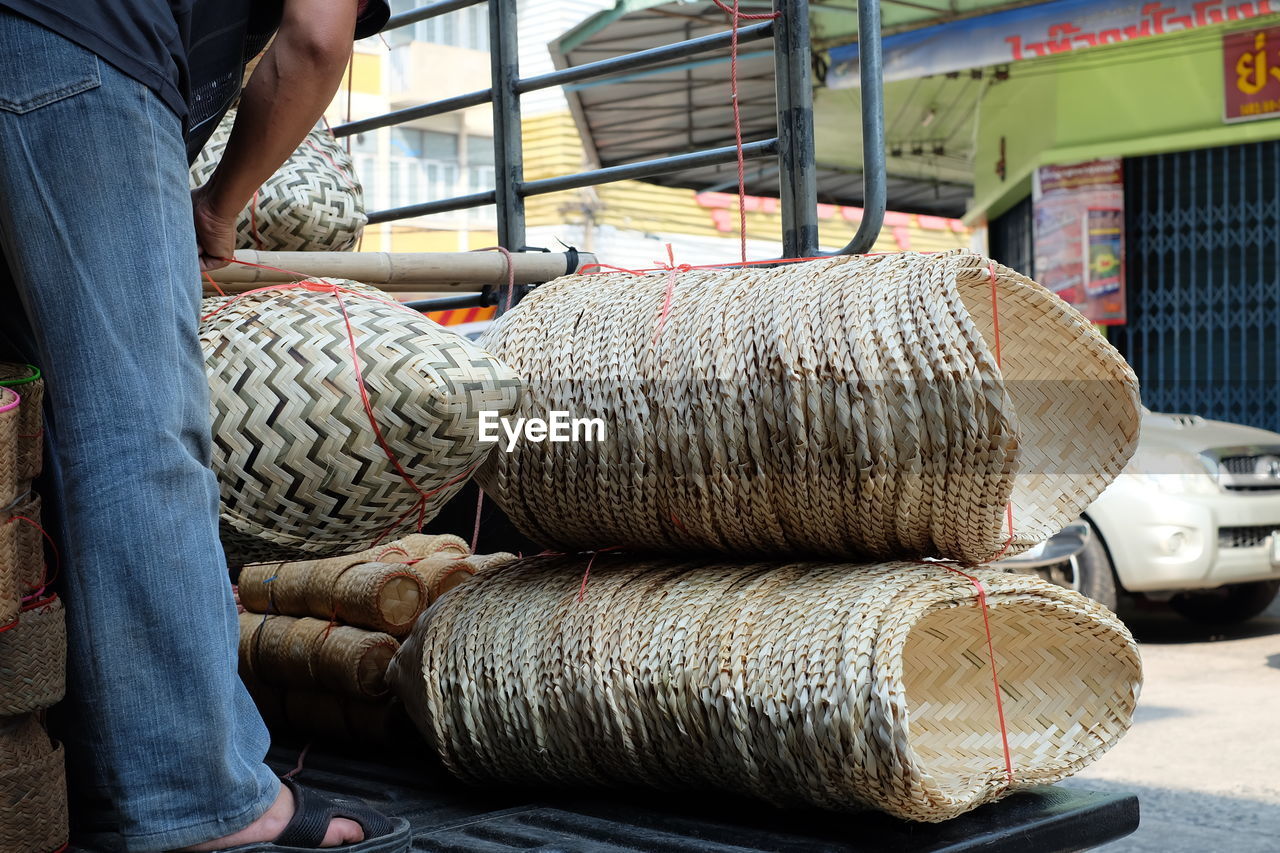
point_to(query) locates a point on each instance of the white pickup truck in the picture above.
(1194, 520)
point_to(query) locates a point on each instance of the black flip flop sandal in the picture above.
(313, 811)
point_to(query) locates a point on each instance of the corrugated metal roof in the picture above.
(686, 106)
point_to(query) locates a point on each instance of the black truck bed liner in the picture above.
(449, 816)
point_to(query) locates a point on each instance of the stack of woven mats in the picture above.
(33, 800)
(316, 636)
(769, 576)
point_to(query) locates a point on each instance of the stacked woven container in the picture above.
(316, 636)
(33, 801)
(769, 575)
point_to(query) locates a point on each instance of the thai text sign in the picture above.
(1079, 236)
(1042, 29)
(1251, 74)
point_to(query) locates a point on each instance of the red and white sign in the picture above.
(1251, 74)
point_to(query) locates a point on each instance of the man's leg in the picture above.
(96, 231)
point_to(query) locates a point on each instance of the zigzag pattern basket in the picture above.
(33, 791)
(301, 470)
(852, 406)
(33, 660)
(802, 684)
(27, 382)
(314, 202)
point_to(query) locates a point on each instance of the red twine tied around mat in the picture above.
(671, 269)
(737, 17)
(991, 657)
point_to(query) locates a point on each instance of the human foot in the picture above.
(268, 828)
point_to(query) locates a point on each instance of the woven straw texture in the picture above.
(312, 203)
(26, 380)
(313, 654)
(28, 542)
(841, 407)
(11, 571)
(33, 660)
(301, 469)
(10, 418)
(33, 791)
(829, 685)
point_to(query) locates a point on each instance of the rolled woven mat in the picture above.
(10, 418)
(26, 381)
(303, 472)
(313, 203)
(803, 684)
(33, 659)
(284, 651)
(851, 406)
(33, 791)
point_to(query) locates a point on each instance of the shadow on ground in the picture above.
(1177, 821)
(1156, 623)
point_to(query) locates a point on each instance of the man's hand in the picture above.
(215, 231)
(285, 97)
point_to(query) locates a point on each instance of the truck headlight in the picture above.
(1174, 472)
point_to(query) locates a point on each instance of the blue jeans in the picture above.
(99, 286)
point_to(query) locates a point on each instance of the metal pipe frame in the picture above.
(432, 10)
(793, 145)
(448, 303)
(649, 168)
(874, 177)
(645, 58)
(798, 186)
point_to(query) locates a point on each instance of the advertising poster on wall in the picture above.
(1251, 74)
(1079, 236)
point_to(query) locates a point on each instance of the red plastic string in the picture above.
(737, 17)
(582, 590)
(297, 768)
(214, 284)
(991, 656)
(671, 269)
(45, 579)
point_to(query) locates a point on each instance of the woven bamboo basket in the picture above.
(803, 684)
(33, 659)
(28, 543)
(313, 203)
(26, 381)
(312, 654)
(10, 427)
(33, 792)
(11, 572)
(842, 407)
(303, 473)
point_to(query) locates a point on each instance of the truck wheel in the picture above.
(1226, 605)
(1088, 573)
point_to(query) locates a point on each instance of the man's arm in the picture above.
(286, 96)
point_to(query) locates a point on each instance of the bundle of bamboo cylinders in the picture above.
(381, 589)
(316, 636)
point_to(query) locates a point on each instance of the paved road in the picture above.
(1204, 753)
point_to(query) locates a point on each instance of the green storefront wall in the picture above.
(1146, 97)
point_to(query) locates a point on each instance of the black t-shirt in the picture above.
(191, 53)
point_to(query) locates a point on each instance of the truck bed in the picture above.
(449, 816)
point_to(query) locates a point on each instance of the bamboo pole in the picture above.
(399, 272)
